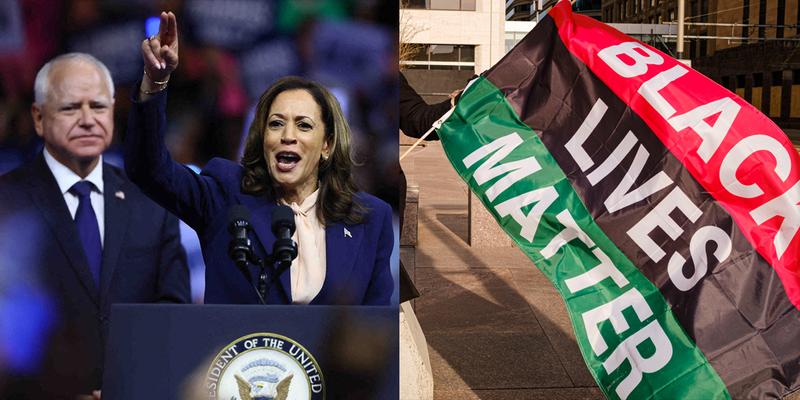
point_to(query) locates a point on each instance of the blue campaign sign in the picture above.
(350, 53)
(12, 37)
(117, 45)
(262, 65)
(232, 24)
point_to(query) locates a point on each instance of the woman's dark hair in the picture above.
(336, 201)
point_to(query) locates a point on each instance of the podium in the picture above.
(229, 352)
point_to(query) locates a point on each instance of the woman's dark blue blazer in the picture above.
(357, 265)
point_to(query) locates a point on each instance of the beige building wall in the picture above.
(483, 28)
(730, 11)
(754, 10)
(727, 14)
(794, 110)
(772, 19)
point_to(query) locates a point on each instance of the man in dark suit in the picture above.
(82, 234)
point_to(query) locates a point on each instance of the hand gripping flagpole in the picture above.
(437, 124)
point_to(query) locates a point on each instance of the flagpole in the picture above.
(681, 15)
(435, 125)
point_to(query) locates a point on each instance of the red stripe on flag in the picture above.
(737, 154)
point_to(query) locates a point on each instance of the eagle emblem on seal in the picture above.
(263, 380)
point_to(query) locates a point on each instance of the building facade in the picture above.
(521, 10)
(531, 10)
(450, 40)
(748, 46)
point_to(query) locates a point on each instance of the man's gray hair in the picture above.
(42, 83)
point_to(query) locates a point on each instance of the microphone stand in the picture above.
(282, 262)
(284, 249)
(264, 285)
(244, 268)
(262, 282)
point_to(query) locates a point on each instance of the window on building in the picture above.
(794, 102)
(443, 52)
(444, 4)
(444, 56)
(463, 5)
(510, 42)
(740, 81)
(797, 17)
(704, 11)
(587, 5)
(726, 82)
(522, 9)
(758, 79)
(777, 78)
(468, 52)
(512, 38)
(746, 17)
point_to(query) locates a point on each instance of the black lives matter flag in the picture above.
(663, 208)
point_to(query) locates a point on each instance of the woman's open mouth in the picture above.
(287, 160)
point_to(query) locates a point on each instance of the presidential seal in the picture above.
(264, 366)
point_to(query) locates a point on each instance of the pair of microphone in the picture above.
(284, 250)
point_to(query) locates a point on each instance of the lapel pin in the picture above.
(347, 233)
(120, 194)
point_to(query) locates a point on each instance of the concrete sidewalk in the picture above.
(496, 328)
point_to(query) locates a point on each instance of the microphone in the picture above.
(285, 249)
(240, 249)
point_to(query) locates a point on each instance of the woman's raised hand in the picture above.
(160, 54)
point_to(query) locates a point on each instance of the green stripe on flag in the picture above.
(620, 318)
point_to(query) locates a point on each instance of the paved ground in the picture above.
(496, 327)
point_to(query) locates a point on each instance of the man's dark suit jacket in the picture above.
(143, 262)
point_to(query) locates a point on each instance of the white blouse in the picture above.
(308, 269)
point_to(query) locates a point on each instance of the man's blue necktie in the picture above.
(88, 230)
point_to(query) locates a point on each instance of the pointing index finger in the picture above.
(172, 28)
(162, 26)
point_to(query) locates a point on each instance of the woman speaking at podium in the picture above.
(297, 153)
